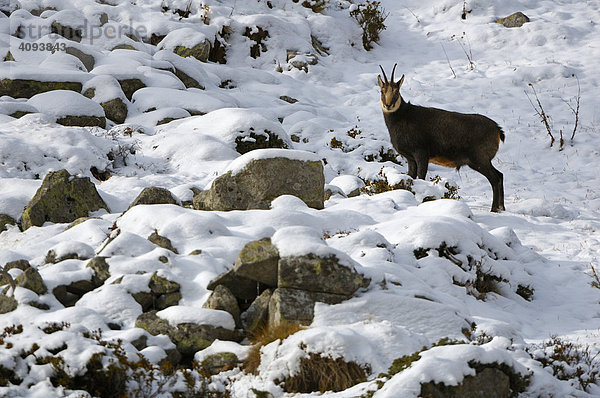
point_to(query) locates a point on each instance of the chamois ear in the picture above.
(401, 81)
(379, 81)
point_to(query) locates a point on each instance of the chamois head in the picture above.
(390, 91)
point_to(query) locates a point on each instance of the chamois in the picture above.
(450, 139)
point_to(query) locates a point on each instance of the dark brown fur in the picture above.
(429, 135)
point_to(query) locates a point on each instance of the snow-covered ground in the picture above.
(548, 239)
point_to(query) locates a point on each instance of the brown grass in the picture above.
(264, 335)
(322, 374)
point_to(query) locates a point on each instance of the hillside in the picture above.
(186, 95)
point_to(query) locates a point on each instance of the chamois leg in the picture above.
(412, 167)
(495, 178)
(422, 163)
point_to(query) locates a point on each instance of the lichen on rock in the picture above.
(62, 198)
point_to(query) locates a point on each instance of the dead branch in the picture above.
(539, 109)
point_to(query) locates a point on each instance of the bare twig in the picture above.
(576, 109)
(469, 54)
(545, 119)
(448, 59)
(409, 10)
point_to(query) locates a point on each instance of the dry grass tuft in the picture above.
(264, 335)
(322, 374)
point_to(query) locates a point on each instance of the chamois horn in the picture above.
(384, 76)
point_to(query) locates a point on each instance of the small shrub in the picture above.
(451, 190)
(370, 16)
(264, 335)
(596, 282)
(568, 361)
(314, 5)
(382, 184)
(318, 373)
(525, 291)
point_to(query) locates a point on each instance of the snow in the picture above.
(241, 162)
(546, 240)
(201, 316)
(60, 103)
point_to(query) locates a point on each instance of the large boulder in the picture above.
(319, 274)
(258, 261)
(256, 178)
(62, 198)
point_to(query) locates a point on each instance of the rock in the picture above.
(188, 81)
(301, 61)
(115, 110)
(288, 99)
(162, 241)
(262, 180)
(222, 299)
(188, 337)
(20, 264)
(100, 268)
(258, 261)
(257, 314)
(488, 383)
(86, 59)
(7, 304)
(220, 362)
(69, 250)
(82, 121)
(68, 295)
(145, 300)
(62, 198)
(22, 88)
(160, 285)
(515, 20)
(319, 274)
(153, 196)
(200, 51)
(69, 108)
(130, 86)
(297, 306)
(68, 32)
(167, 300)
(32, 280)
(51, 257)
(240, 287)
(251, 140)
(5, 220)
(258, 35)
